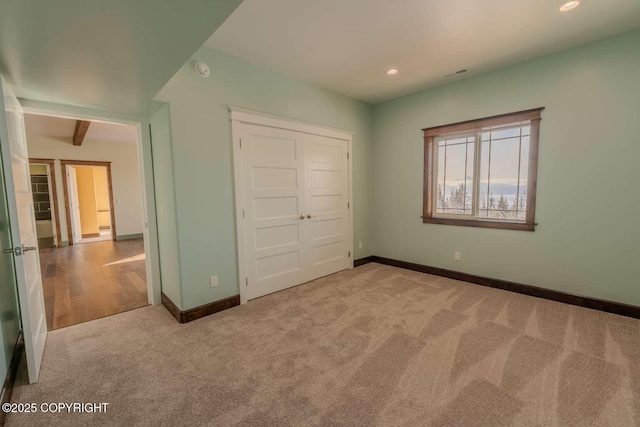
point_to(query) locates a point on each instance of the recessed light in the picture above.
(569, 5)
(392, 72)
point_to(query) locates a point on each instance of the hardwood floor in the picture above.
(92, 280)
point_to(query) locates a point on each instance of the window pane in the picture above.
(453, 141)
(440, 201)
(500, 174)
(506, 133)
(468, 181)
(454, 182)
(454, 193)
(483, 201)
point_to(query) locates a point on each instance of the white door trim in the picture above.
(256, 118)
(53, 203)
(152, 256)
(240, 116)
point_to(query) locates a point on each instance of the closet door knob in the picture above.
(301, 217)
(308, 216)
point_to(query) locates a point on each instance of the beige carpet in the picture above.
(372, 346)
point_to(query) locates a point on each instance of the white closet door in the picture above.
(274, 198)
(327, 198)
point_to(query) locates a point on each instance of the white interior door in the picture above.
(294, 188)
(23, 229)
(74, 203)
(274, 211)
(327, 199)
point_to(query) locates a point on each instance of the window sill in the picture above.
(501, 225)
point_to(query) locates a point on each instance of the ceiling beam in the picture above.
(82, 126)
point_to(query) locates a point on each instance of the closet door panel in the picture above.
(327, 175)
(274, 199)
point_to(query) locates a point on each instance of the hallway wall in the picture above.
(125, 170)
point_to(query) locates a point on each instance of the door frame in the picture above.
(73, 210)
(145, 162)
(240, 116)
(50, 163)
(64, 164)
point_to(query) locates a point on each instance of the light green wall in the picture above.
(202, 159)
(165, 204)
(588, 202)
(9, 311)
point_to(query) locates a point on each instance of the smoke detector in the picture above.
(202, 69)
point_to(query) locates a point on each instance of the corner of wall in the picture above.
(166, 206)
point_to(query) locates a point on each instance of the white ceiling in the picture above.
(347, 46)
(57, 127)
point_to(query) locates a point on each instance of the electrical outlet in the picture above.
(360, 245)
(457, 256)
(214, 281)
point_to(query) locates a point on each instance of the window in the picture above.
(482, 173)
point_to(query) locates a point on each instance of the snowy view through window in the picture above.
(483, 174)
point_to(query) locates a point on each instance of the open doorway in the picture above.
(89, 195)
(94, 176)
(45, 202)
